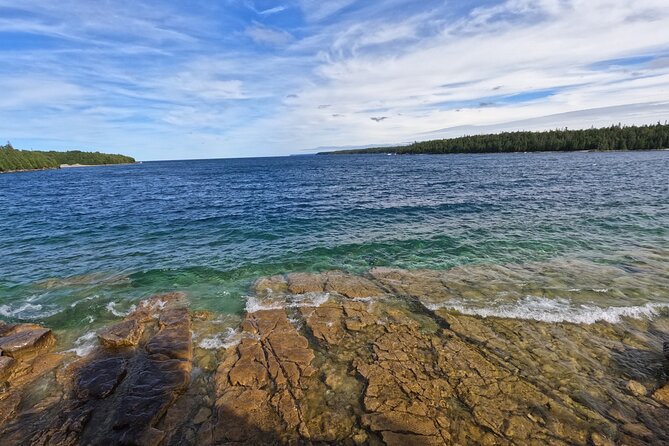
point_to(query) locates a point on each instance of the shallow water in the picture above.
(568, 237)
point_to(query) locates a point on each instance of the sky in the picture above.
(237, 78)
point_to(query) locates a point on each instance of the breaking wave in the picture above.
(253, 303)
(555, 310)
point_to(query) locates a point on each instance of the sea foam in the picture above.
(254, 304)
(26, 310)
(230, 338)
(555, 310)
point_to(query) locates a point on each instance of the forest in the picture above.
(12, 159)
(617, 137)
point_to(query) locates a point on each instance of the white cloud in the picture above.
(141, 74)
(265, 35)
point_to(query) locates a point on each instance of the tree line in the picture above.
(616, 137)
(12, 159)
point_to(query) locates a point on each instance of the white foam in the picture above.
(74, 304)
(555, 310)
(254, 304)
(26, 310)
(230, 338)
(111, 307)
(84, 344)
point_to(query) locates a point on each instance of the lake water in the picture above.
(574, 237)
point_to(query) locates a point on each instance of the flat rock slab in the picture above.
(124, 334)
(27, 342)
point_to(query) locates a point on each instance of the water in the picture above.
(520, 235)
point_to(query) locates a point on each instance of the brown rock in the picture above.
(26, 343)
(262, 382)
(124, 334)
(662, 395)
(636, 388)
(7, 365)
(270, 285)
(351, 286)
(600, 440)
(300, 283)
(202, 415)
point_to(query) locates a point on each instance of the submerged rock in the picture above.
(369, 361)
(123, 334)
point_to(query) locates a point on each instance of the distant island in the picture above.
(617, 137)
(14, 160)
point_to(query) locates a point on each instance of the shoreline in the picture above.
(67, 166)
(345, 152)
(334, 357)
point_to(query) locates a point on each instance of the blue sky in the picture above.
(232, 78)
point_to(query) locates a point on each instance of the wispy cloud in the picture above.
(242, 78)
(268, 36)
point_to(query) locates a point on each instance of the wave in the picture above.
(253, 303)
(231, 338)
(111, 307)
(27, 311)
(84, 344)
(555, 310)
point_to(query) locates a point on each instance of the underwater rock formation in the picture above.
(335, 358)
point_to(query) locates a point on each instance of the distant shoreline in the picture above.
(613, 138)
(14, 160)
(66, 166)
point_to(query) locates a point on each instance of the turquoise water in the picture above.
(80, 246)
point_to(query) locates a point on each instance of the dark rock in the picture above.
(100, 377)
(154, 381)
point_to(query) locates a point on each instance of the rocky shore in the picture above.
(334, 358)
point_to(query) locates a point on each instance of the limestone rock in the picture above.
(7, 365)
(662, 395)
(636, 388)
(123, 334)
(262, 382)
(26, 342)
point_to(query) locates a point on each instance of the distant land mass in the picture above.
(617, 137)
(14, 160)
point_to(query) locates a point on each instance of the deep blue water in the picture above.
(212, 226)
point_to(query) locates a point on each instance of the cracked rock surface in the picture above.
(334, 358)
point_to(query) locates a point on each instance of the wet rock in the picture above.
(124, 334)
(202, 415)
(636, 388)
(7, 365)
(662, 395)
(263, 382)
(151, 308)
(332, 281)
(270, 285)
(301, 283)
(600, 440)
(25, 342)
(347, 368)
(100, 377)
(351, 286)
(119, 395)
(154, 381)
